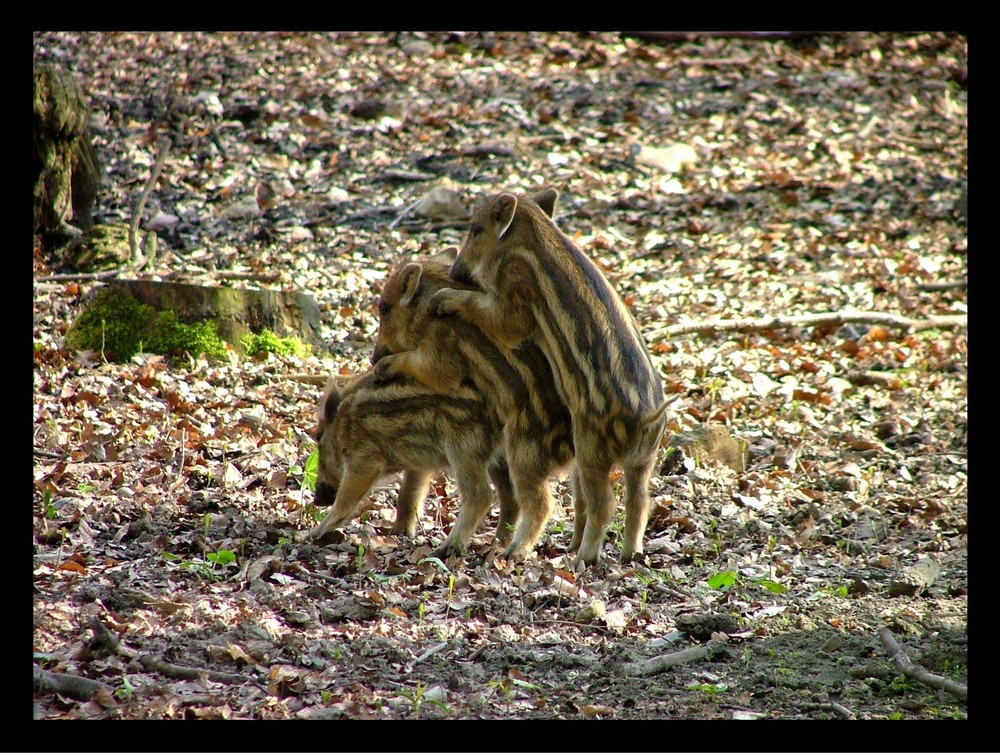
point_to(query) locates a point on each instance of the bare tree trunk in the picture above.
(66, 171)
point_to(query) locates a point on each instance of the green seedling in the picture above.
(416, 698)
(451, 593)
(311, 471)
(709, 689)
(839, 591)
(729, 578)
(213, 567)
(125, 692)
(506, 688)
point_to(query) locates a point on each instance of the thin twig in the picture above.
(180, 468)
(429, 653)
(138, 262)
(48, 453)
(403, 214)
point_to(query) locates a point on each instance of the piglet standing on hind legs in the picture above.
(537, 285)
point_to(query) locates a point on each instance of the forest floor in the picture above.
(712, 178)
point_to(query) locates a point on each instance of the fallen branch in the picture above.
(690, 36)
(220, 274)
(79, 276)
(934, 287)
(72, 686)
(433, 227)
(918, 673)
(488, 150)
(836, 708)
(200, 700)
(919, 143)
(662, 663)
(48, 453)
(232, 274)
(405, 176)
(104, 637)
(815, 320)
(319, 380)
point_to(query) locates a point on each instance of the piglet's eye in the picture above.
(384, 309)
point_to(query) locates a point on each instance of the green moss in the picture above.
(119, 326)
(113, 324)
(172, 337)
(268, 342)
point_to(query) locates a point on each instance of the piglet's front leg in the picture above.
(435, 372)
(389, 367)
(506, 323)
(449, 301)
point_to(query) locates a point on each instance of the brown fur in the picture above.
(538, 287)
(371, 429)
(447, 355)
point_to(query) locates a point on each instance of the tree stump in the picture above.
(66, 172)
(124, 315)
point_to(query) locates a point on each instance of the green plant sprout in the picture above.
(708, 688)
(729, 578)
(451, 593)
(311, 471)
(416, 698)
(125, 692)
(506, 687)
(213, 567)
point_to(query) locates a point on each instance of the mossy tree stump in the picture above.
(168, 317)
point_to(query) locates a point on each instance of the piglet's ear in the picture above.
(445, 256)
(547, 200)
(329, 402)
(409, 279)
(503, 213)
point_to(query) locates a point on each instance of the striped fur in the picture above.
(517, 384)
(540, 288)
(372, 429)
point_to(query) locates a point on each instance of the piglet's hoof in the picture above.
(441, 303)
